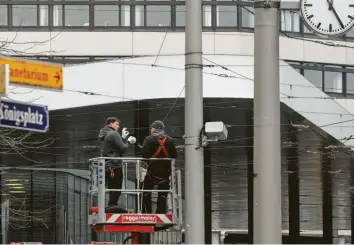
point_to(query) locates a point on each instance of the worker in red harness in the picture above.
(157, 145)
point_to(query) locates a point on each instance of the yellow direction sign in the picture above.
(32, 73)
(4, 79)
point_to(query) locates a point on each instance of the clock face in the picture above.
(328, 17)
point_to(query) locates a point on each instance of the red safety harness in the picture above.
(155, 179)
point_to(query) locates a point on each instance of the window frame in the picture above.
(118, 15)
(324, 67)
(291, 32)
(36, 7)
(217, 13)
(346, 83)
(7, 16)
(132, 27)
(64, 20)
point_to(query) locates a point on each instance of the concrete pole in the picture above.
(267, 153)
(194, 179)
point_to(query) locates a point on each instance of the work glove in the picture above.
(125, 133)
(132, 140)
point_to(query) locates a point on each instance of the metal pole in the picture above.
(101, 191)
(194, 182)
(173, 189)
(179, 198)
(138, 183)
(4, 219)
(267, 153)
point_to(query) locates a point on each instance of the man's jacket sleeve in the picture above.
(117, 140)
(146, 149)
(171, 148)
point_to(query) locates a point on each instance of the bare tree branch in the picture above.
(12, 141)
(21, 142)
(11, 47)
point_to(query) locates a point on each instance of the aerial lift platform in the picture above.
(133, 220)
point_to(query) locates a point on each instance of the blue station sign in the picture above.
(24, 116)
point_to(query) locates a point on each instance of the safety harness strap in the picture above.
(157, 180)
(161, 148)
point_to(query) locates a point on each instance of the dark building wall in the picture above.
(51, 207)
(303, 159)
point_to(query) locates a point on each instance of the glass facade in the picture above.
(163, 15)
(51, 206)
(308, 184)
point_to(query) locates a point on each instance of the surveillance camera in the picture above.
(216, 130)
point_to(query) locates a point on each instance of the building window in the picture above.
(350, 83)
(333, 82)
(105, 0)
(57, 15)
(74, 60)
(227, 16)
(206, 16)
(180, 15)
(103, 58)
(158, 15)
(67, 0)
(24, 15)
(43, 15)
(139, 15)
(328, 78)
(3, 15)
(247, 17)
(315, 77)
(290, 21)
(224, 13)
(106, 15)
(76, 15)
(125, 11)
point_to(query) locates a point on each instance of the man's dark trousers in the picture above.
(114, 182)
(162, 196)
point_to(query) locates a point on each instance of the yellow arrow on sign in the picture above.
(32, 73)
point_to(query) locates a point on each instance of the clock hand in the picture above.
(337, 16)
(330, 4)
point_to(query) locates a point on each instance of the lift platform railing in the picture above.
(98, 190)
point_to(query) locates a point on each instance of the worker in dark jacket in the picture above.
(114, 145)
(157, 145)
